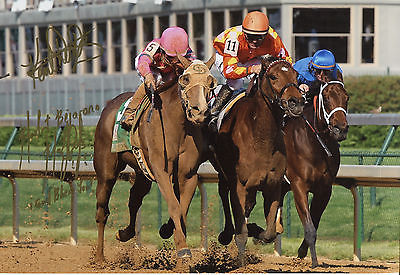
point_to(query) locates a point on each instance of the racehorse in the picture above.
(251, 151)
(313, 158)
(171, 142)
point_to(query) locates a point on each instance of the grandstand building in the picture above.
(362, 34)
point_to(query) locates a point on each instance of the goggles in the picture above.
(254, 37)
(319, 71)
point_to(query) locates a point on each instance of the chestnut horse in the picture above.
(313, 158)
(171, 143)
(251, 151)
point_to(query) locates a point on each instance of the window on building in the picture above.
(88, 35)
(2, 52)
(102, 40)
(181, 20)
(14, 49)
(198, 34)
(217, 19)
(164, 23)
(368, 35)
(57, 43)
(236, 18)
(131, 26)
(321, 28)
(116, 38)
(148, 33)
(274, 16)
(30, 42)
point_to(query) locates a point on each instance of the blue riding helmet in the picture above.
(323, 60)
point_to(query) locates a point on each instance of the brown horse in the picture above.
(171, 143)
(313, 158)
(251, 151)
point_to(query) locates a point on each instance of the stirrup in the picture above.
(212, 125)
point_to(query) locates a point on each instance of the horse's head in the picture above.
(195, 83)
(281, 78)
(332, 108)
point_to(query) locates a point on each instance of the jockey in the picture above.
(320, 68)
(238, 52)
(158, 57)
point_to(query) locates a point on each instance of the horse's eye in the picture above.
(273, 77)
(184, 80)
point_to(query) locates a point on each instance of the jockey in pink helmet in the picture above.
(158, 58)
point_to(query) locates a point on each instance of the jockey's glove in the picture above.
(149, 81)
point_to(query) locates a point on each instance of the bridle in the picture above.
(321, 105)
(197, 67)
(277, 95)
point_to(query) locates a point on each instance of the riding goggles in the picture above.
(254, 37)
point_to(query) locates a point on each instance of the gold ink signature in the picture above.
(63, 52)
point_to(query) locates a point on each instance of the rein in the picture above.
(327, 116)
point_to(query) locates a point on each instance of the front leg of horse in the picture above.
(175, 212)
(140, 189)
(318, 204)
(238, 207)
(310, 234)
(225, 237)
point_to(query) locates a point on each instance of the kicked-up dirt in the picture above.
(49, 257)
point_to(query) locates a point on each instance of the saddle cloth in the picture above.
(123, 140)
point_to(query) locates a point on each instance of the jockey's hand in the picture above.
(149, 81)
(255, 69)
(304, 88)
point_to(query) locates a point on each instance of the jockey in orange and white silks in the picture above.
(158, 58)
(238, 48)
(238, 52)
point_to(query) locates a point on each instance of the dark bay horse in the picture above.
(313, 158)
(251, 151)
(171, 143)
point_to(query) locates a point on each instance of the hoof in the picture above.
(267, 238)
(225, 238)
(184, 253)
(254, 230)
(302, 251)
(314, 264)
(124, 235)
(166, 231)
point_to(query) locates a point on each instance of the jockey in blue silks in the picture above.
(320, 68)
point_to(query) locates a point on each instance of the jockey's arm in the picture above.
(232, 70)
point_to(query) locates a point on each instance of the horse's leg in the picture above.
(167, 229)
(318, 204)
(103, 193)
(225, 237)
(300, 196)
(174, 210)
(139, 189)
(238, 201)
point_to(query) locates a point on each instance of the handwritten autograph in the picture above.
(63, 52)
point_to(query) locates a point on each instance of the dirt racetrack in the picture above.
(48, 257)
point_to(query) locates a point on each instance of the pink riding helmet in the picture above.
(174, 40)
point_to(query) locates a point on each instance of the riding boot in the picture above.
(128, 117)
(224, 95)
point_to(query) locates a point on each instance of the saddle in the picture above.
(236, 96)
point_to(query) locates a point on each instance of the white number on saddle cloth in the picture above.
(231, 46)
(151, 48)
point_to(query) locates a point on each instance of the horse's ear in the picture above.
(210, 62)
(185, 62)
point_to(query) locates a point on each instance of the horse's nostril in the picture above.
(196, 108)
